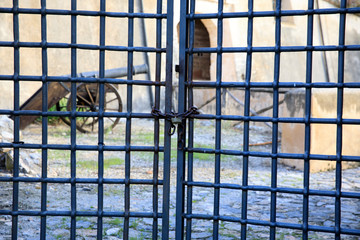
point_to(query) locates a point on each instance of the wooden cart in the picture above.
(87, 100)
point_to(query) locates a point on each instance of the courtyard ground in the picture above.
(289, 206)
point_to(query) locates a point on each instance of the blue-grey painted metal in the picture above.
(100, 207)
(339, 127)
(245, 183)
(275, 125)
(73, 123)
(44, 152)
(186, 149)
(74, 78)
(190, 157)
(185, 146)
(157, 125)
(128, 122)
(306, 181)
(182, 99)
(218, 106)
(168, 124)
(15, 205)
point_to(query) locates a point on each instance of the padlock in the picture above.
(176, 120)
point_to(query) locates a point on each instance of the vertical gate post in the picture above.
(245, 178)
(73, 121)
(275, 125)
(15, 206)
(129, 109)
(44, 151)
(339, 125)
(168, 105)
(309, 63)
(181, 128)
(101, 125)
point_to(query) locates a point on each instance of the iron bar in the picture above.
(81, 214)
(295, 12)
(15, 197)
(186, 181)
(168, 107)
(307, 143)
(73, 123)
(217, 166)
(275, 125)
(44, 151)
(81, 180)
(129, 104)
(339, 126)
(284, 13)
(260, 49)
(268, 224)
(182, 99)
(102, 74)
(285, 85)
(157, 125)
(319, 48)
(181, 144)
(245, 167)
(314, 48)
(84, 13)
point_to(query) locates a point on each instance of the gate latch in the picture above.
(174, 118)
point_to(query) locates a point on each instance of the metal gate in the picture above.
(182, 122)
(186, 175)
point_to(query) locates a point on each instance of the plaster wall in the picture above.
(88, 32)
(323, 136)
(292, 65)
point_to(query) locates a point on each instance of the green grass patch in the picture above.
(116, 221)
(134, 224)
(201, 145)
(204, 156)
(93, 165)
(113, 162)
(59, 155)
(211, 157)
(146, 137)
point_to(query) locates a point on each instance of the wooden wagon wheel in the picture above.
(87, 100)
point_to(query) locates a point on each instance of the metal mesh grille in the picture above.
(189, 86)
(160, 186)
(188, 181)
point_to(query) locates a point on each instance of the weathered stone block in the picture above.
(29, 162)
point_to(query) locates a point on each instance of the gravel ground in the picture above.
(289, 206)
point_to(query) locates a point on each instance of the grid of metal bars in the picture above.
(100, 148)
(185, 179)
(186, 149)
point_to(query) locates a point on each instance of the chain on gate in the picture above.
(174, 118)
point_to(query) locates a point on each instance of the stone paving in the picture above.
(289, 206)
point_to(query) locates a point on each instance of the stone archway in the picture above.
(201, 61)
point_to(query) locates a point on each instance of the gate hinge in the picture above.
(174, 118)
(177, 68)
